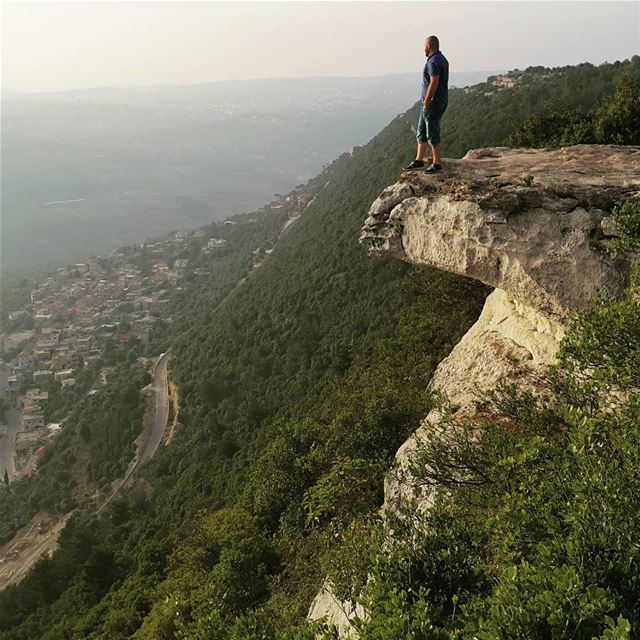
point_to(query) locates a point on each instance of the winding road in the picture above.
(160, 389)
(40, 536)
(159, 419)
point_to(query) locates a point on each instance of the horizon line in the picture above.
(240, 80)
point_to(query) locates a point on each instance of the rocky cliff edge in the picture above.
(531, 222)
(535, 225)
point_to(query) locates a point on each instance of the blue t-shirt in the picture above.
(437, 65)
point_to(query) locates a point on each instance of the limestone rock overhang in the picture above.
(532, 222)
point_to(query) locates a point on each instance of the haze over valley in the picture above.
(85, 171)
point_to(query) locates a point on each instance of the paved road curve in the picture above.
(160, 390)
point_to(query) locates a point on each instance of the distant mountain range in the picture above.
(238, 95)
(87, 170)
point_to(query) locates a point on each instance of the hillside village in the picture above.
(82, 314)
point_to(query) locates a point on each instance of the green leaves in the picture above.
(615, 120)
(534, 531)
(555, 125)
(626, 218)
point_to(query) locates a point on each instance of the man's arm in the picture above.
(434, 81)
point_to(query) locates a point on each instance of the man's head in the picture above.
(431, 45)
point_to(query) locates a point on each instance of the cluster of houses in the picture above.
(506, 80)
(76, 310)
(212, 245)
(499, 82)
(292, 200)
(71, 315)
(30, 441)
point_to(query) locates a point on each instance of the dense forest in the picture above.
(296, 392)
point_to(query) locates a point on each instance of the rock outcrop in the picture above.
(533, 224)
(530, 222)
(334, 612)
(510, 343)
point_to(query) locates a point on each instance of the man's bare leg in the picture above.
(422, 150)
(436, 153)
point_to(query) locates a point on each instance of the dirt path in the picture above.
(38, 538)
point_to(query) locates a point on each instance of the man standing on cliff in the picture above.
(435, 97)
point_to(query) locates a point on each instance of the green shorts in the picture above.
(429, 123)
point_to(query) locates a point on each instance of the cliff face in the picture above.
(534, 225)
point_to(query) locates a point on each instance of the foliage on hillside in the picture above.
(311, 338)
(614, 120)
(211, 279)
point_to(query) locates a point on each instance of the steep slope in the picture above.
(287, 366)
(534, 225)
(295, 396)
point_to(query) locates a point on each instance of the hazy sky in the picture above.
(53, 45)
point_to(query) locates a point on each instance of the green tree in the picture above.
(617, 120)
(614, 120)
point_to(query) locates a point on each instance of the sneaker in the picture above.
(416, 164)
(433, 168)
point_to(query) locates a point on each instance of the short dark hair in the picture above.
(434, 42)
